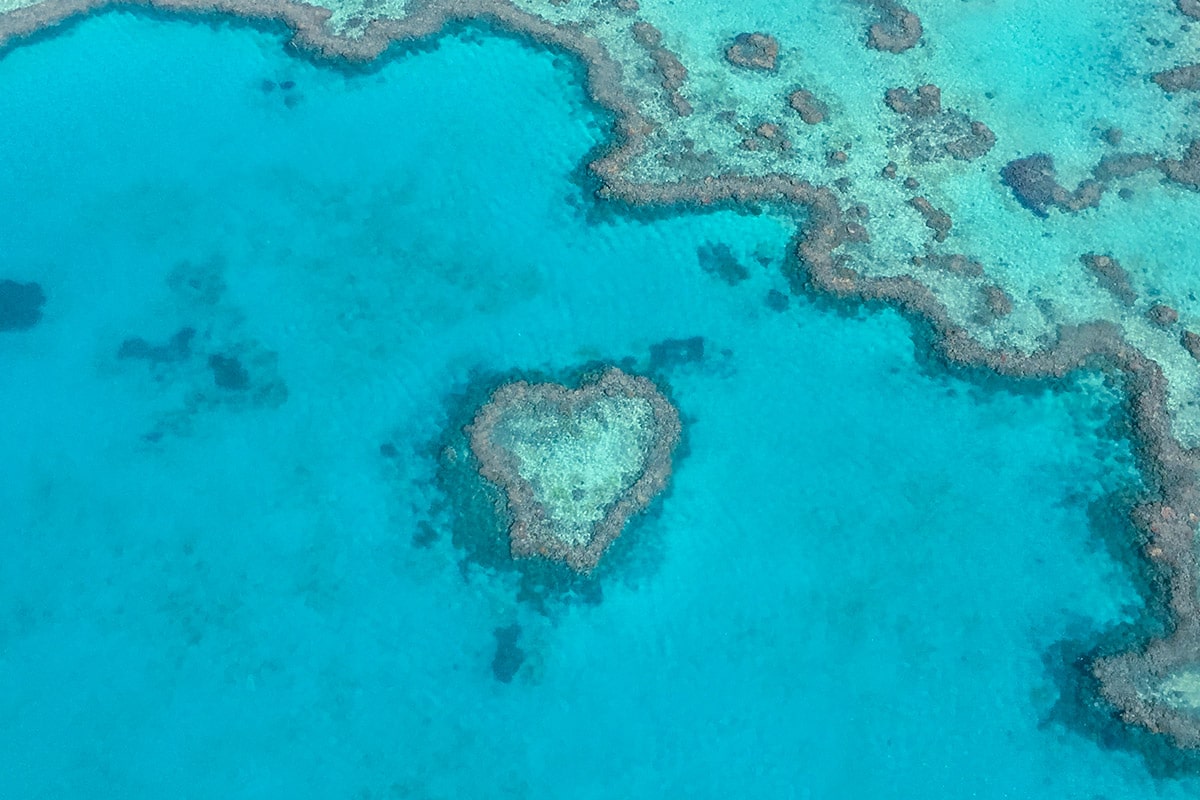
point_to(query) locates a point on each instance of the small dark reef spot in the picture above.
(718, 260)
(20, 305)
(509, 656)
(177, 348)
(228, 373)
(671, 353)
(425, 535)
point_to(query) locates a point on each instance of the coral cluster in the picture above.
(575, 464)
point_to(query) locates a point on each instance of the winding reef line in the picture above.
(1167, 522)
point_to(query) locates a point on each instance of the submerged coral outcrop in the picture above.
(575, 464)
(20, 305)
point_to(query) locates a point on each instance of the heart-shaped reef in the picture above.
(575, 464)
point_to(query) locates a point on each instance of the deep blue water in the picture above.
(857, 586)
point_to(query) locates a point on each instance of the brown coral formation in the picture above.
(1179, 79)
(1111, 276)
(926, 101)
(765, 136)
(1184, 171)
(1191, 343)
(811, 110)
(932, 132)
(936, 220)
(897, 30)
(997, 302)
(1034, 182)
(670, 69)
(973, 144)
(1123, 165)
(1162, 315)
(557, 414)
(753, 51)
(952, 264)
(1189, 8)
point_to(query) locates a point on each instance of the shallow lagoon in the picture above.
(856, 586)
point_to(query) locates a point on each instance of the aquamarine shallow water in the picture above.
(854, 589)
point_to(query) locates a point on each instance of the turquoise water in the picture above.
(859, 585)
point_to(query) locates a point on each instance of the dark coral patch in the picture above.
(975, 143)
(936, 220)
(20, 305)
(926, 101)
(1180, 79)
(1034, 183)
(952, 264)
(509, 656)
(177, 348)
(997, 302)
(425, 535)
(1191, 343)
(753, 51)
(1123, 165)
(671, 353)
(898, 28)
(1185, 171)
(810, 108)
(1162, 315)
(228, 373)
(933, 132)
(718, 260)
(670, 69)
(1111, 276)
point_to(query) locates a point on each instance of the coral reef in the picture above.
(575, 464)
(1152, 684)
